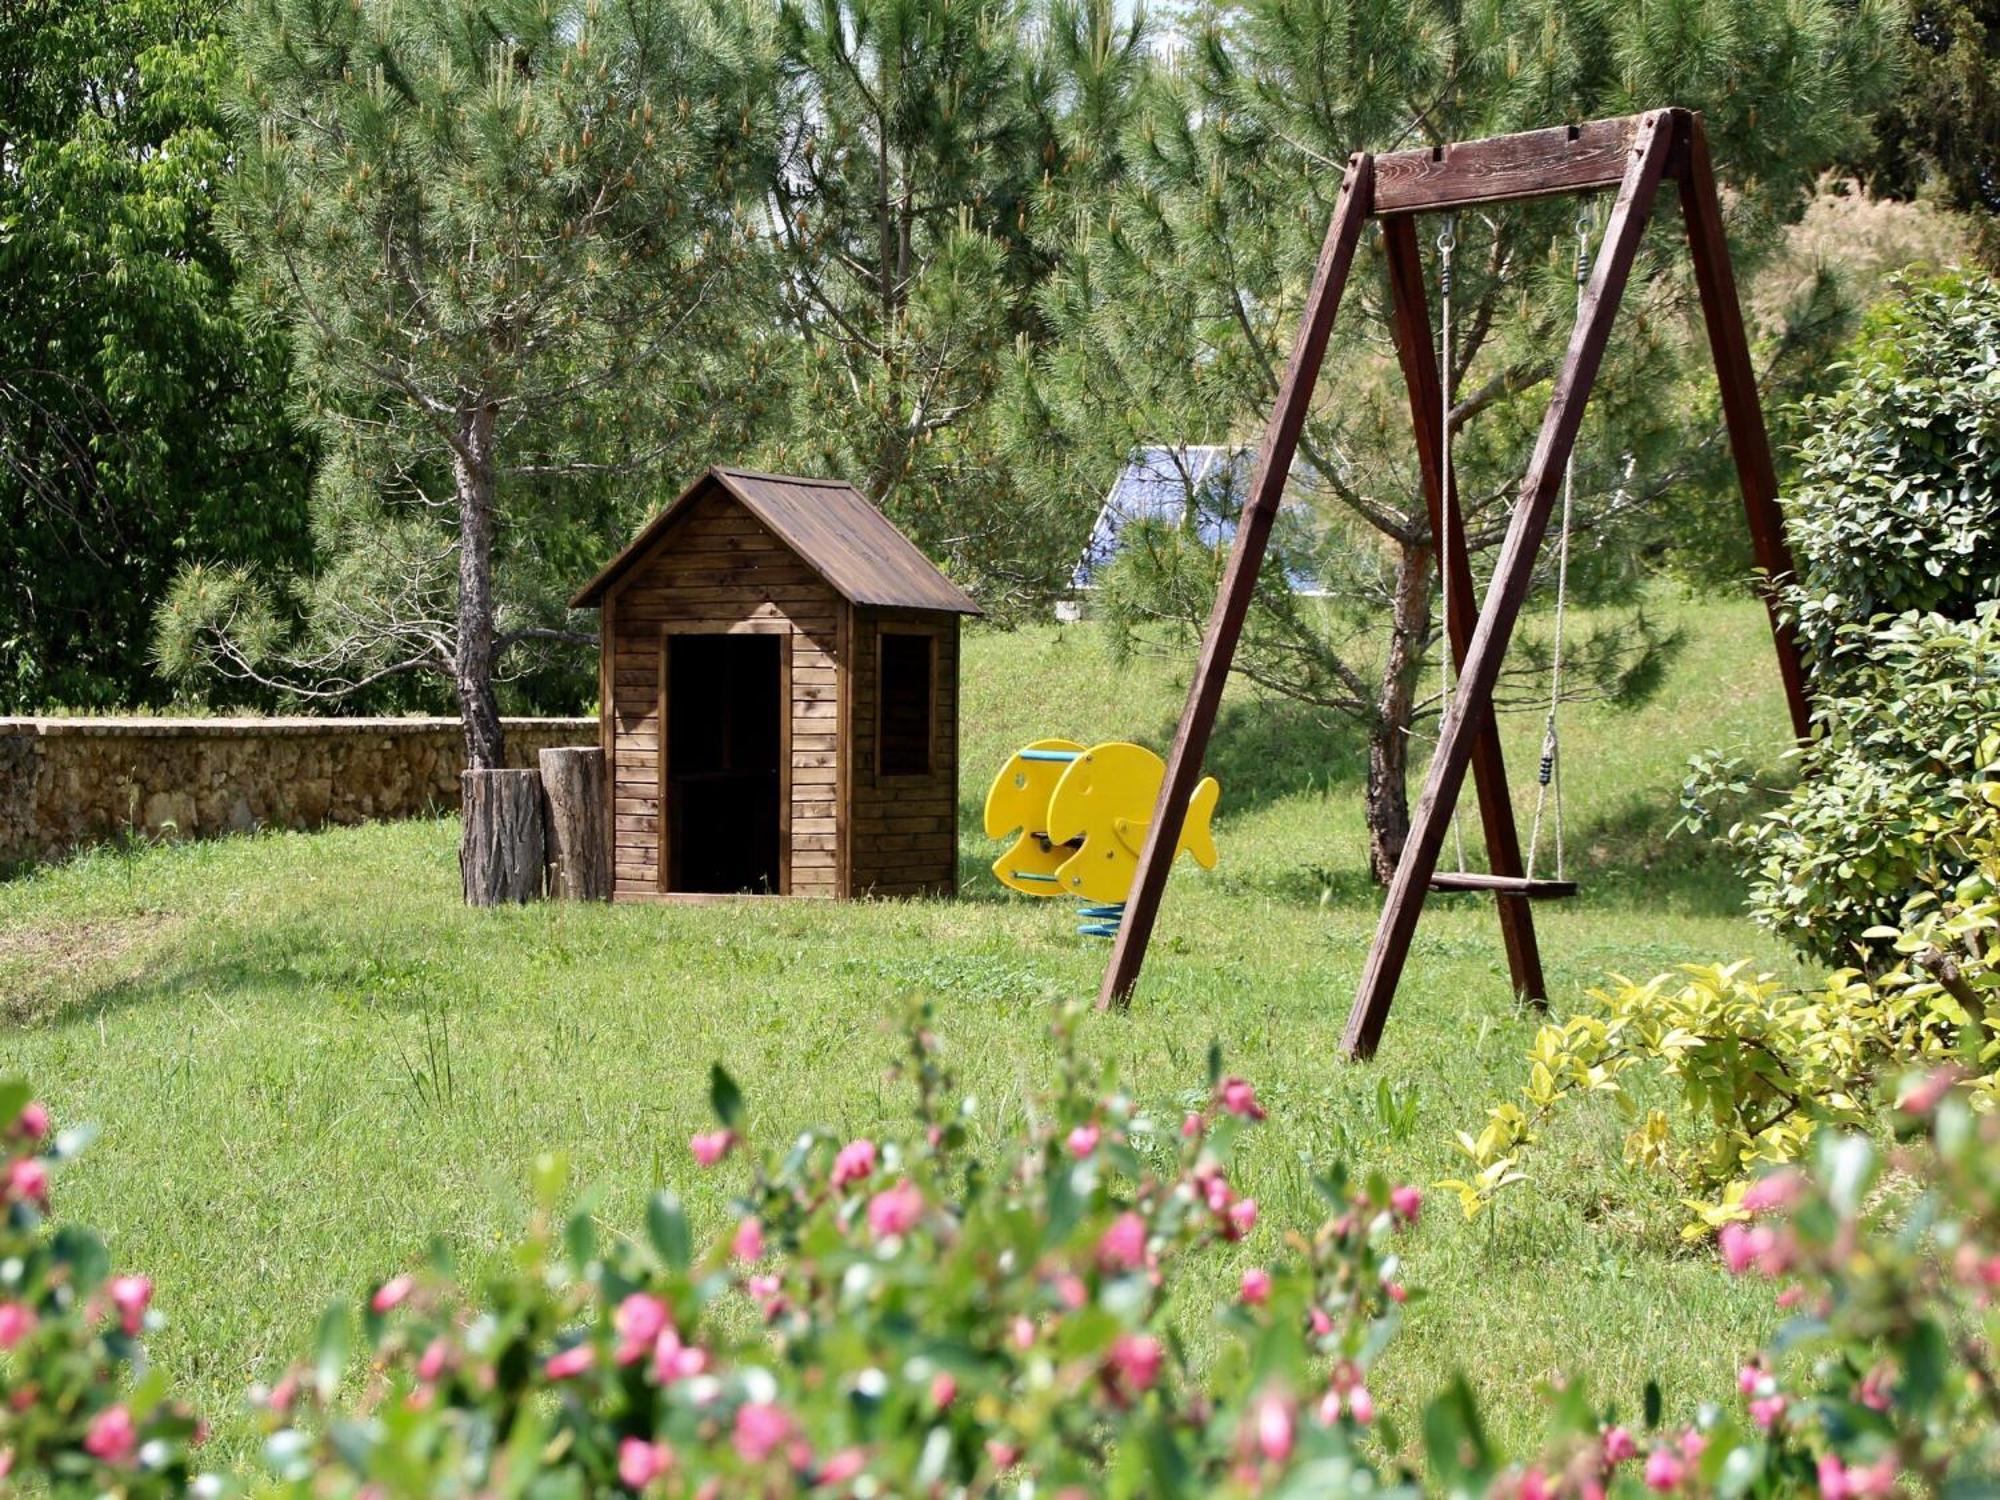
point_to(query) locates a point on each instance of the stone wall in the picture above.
(69, 782)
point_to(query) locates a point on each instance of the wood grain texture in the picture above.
(501, 855)
(1239, 581)
(577, 837)
(1512, 576)
(1506, 168)
(1742, 411)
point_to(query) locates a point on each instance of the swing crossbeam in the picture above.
(1636, 154)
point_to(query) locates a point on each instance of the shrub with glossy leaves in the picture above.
(78, 1408)
(1904, 758)
(1761, 1068)
(1897, 504)
(888, 1317)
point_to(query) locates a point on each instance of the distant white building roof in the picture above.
(1159, 483)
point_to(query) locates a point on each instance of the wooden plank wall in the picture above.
(903, 837)
(718, 568)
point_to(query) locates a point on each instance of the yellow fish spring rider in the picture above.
(1082, 813)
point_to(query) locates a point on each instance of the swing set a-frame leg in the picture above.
(1412, 324)
(1512, 577)
(1239, 578)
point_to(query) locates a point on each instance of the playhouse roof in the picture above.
(829, 524)
(1158, 484)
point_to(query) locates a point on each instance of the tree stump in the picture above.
(579, 842)
(501, 857)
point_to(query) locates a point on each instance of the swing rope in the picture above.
(1548, 776)
(1447, 241)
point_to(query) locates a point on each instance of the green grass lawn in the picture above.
(307, 1058)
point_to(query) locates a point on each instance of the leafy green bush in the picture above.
(1760, 1070)
(1903, 755)
(1897, 505)
(898, 1319)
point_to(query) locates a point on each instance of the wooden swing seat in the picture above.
(1504, 885)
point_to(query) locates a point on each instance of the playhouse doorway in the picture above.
(726, 704)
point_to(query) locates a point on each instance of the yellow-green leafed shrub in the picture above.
(1757, 1066)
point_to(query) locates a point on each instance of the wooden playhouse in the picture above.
(779, 685)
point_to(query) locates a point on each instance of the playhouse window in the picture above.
(904, 693)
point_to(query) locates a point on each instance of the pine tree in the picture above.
(1177, 309)
(509, 239)
(922, 142)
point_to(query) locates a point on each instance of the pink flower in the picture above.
(1665, 1469)
(640, 1320)
(641, 1462)
(28, 1180)
(112, 1436)
(17, 1321)
(1242, 1218)
(1322, 1325)
(1071, 1291)
(1397, 1292)
(1213, 1186)
(571, 1362)
(1256, 1290)
(1927, 1095)
(1833, 1478)
(1022, 1331)
(130, 1295)
(711, 1146)
(1749, 1379)
(33, 1121)
(1765, 1410)
(855, 1161)
(1775, 1190)
(944, 1390)
(1135, 1361)
(1240, 1099)
(1791, 1297)
(749, 1241)
(1619, 1446)
(1328, 1411)
(1123, 1246)
(1361, 1405)
(1083, 1140)
(761, 1429)
(1004, 1455)
(1693, 1445)
(392, 1293)
(1535, 1486)
(895, 1210)
(1406, 1203)
(843, 1466)
(1737, 1254)
(436, 1357)
(1274, 1428)
(1874, 1392)
(1191, 1127)
(673, 1360)
(1877, 1479)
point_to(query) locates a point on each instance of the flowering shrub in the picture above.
(77, 1407)
(885, 1317)
(1883, 1382)
(1761, 1068)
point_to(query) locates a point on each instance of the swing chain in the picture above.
(1447, 241)
(1548, 774)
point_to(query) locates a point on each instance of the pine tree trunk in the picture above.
(503, 853)
(478, 703)
(1388, 793)
(579, 843)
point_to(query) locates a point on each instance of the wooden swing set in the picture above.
(1632, 153)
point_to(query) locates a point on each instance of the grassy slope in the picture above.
(260, 1024)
